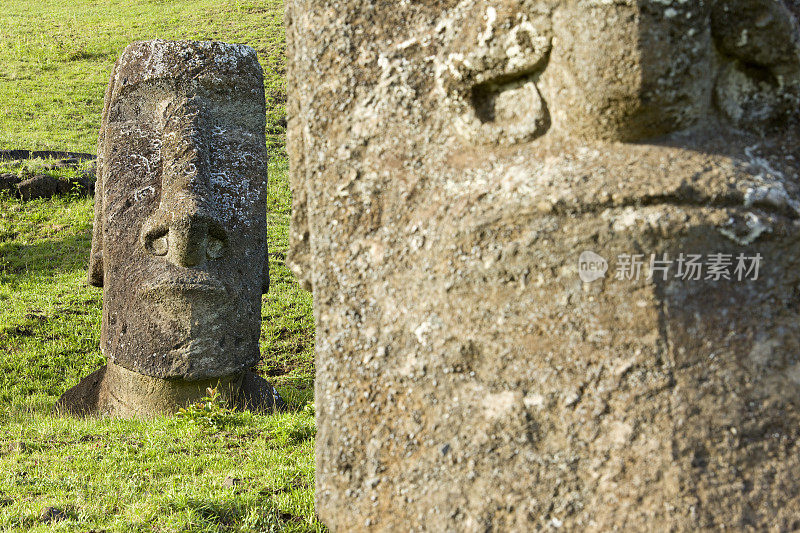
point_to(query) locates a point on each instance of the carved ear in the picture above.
(96, 269)
(96, 255)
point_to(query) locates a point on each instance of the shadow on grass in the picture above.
(296, 391)
(47, 256)
(229, 515)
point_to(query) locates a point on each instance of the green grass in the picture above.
(166, 474)
(161, 475)
(56, 58)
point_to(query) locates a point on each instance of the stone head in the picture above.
(180, 238)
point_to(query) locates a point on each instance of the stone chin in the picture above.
(206, 334)
(199, 358)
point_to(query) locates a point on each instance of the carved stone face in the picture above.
(180, 232)
(451, 161)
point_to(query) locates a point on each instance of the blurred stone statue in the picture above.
(554, 253)
(180, 236)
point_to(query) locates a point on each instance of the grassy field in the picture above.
(56, 57)
(226, 472)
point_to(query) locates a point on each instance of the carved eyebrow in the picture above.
(145, 101)
(222, 116)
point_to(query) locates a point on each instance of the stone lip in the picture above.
(204, 285)
(105, 392)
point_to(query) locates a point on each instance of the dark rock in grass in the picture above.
(52, 514)
(19, 155)
(90, 172)
(8, 182)
(180, 236)
(67, 163)
(83, 185)
(41, 186)
(31, 187)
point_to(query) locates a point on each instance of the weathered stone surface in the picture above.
(450, 163)
(180, 237)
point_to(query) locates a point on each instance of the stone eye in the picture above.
(215, 248)
(156, 241)
(159, 246)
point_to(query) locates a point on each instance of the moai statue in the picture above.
(554, 253)
(180, 236)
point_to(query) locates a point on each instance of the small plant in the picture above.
(211, 412)
(77, 189)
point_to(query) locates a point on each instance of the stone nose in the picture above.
(187, 234)
(185, 228)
